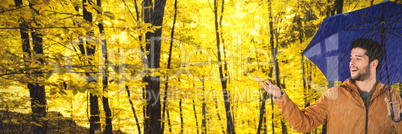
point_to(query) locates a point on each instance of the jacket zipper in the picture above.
(369, 106)
(366, 119)
(366, 125)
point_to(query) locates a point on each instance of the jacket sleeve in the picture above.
(398, 125)
(309, 118)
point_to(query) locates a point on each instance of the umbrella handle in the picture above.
(392, 108)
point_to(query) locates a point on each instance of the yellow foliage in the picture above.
(194, 74)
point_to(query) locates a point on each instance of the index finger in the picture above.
(269, 82)
(259, 80)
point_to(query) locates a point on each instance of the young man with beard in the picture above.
(359, 105)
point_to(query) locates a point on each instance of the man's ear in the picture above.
(374, 63)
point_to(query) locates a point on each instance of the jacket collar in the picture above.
(379, 87)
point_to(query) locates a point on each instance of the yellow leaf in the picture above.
(4, 3)
(109, 14)
(46, 2)
(11, 23)
(15, 121)
(36, 124)
(97, 8)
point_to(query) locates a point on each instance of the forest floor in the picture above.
(14, 122)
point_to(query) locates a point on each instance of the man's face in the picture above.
(359, 64)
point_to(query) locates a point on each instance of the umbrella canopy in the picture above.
(330, 48)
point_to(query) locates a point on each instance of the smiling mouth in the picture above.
(353, 70)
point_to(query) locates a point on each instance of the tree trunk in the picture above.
(132, 108)
(181, 118)
(36, 91)
(265, 126)
(274, 50)
(271, 31)
(105, 101)
(94, 127)
(328, 9)
(230, 125)
(338, 6)
(217, 113)
(195, 116)
(204, 122)
(262, 111)
(168, 66)
(147, 11)
(168, 116)
(153, 125)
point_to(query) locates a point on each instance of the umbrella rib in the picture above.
(393, 21)
(371, 35)
(376, 17)
(393, 16)
(390, 27)
(360, 29)
(374, 25)
(394, 35)
(367, 20)
(361, 15)
(338, 64)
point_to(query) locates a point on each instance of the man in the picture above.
(356, 106)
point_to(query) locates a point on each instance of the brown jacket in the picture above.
(344, 110)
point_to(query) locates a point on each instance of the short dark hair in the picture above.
(373, 49)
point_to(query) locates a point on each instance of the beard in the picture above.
(364, 75)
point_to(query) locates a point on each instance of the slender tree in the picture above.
(132, 108)
(262, 111)
(143, 61)
(181, 117)
(204, 112)
(217, 113)
(230, 126)
(338, 7)
(105, 100)
(274, 50)
(195, 117)
(88, 50)
(36, 91)
(168, 65)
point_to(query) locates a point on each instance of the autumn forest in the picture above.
(157, 66)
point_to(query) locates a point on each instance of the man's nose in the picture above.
(352, 62)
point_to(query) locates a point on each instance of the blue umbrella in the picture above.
(331, 46)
